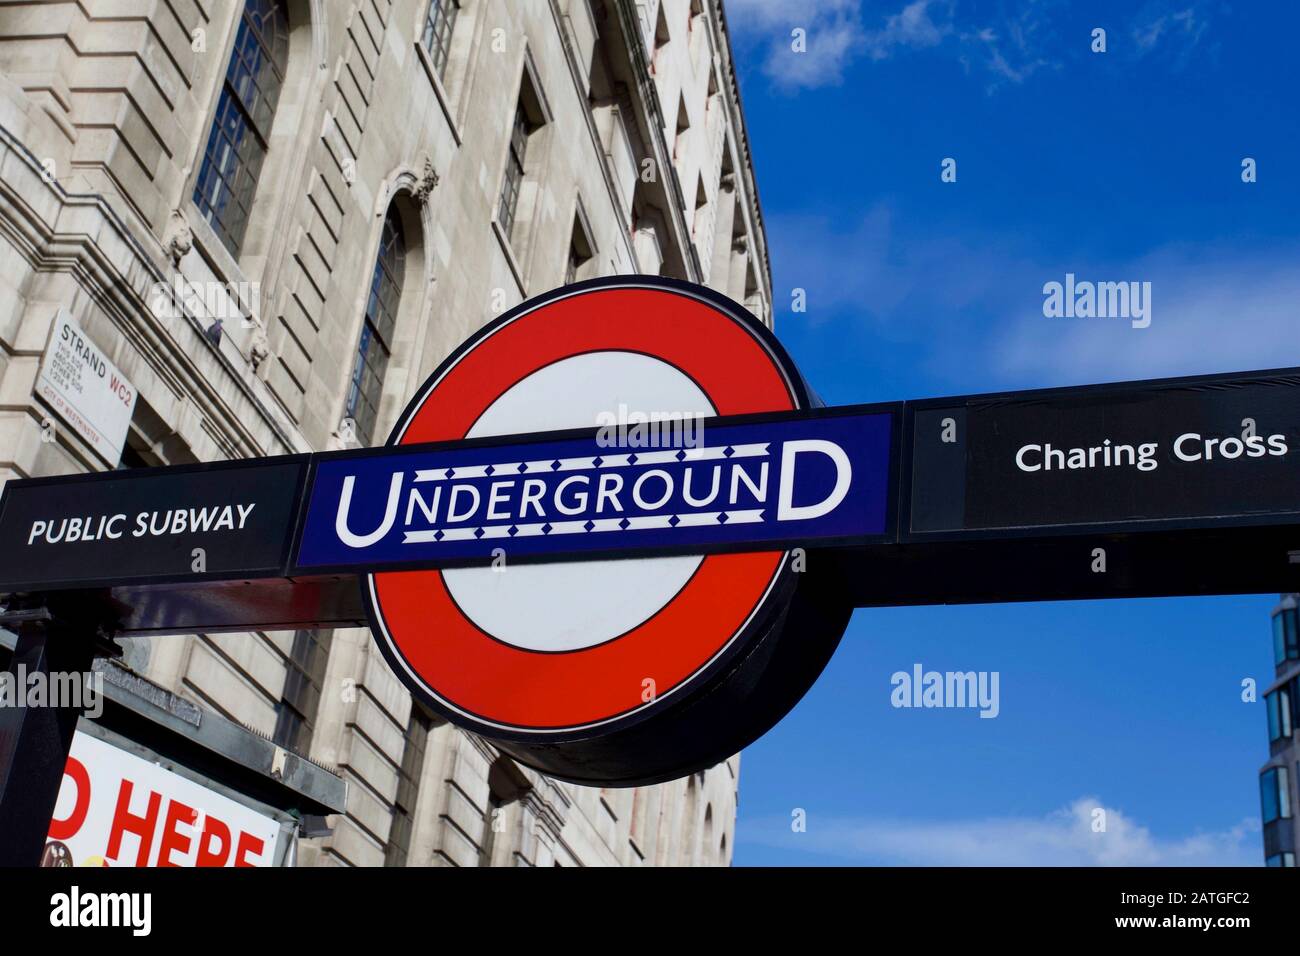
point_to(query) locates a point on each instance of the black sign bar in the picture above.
(213, 522)
(1142, 489)
(1189, 485)
(1198, 452)
(174, 550)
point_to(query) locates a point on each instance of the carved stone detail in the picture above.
(428, 181)
(178, 238)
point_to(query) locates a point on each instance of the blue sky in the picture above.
(1123, 165)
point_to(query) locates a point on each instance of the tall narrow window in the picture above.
(683, 125)
(295, 715)
(408, 787)
(241, 130)
(581, 251)
(700, 223)
(438, 26)
(1286, 645)
(661, 39)
(376, 344)
(530, 117)
(1275, 794)
(1278, 704)
(514, 178)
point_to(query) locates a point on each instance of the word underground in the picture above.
(153, 524)
(82, 690)
(701, 486)
(1189, 447)
(75, 908)
(1101, 300)
(788, 480)
(947, 689)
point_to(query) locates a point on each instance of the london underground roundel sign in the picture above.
(613, 670)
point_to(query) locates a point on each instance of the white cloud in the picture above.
(974, 304)
(832, 36)
(1010, 50)
(1213, 310)
(747, 13)
(1181, 30)
(1019, 42)
(876, 273)
(1147, 35)
(837, 32)
(1064, 837)
(912, 28)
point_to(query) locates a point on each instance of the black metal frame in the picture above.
(63, 637)
(64, 625)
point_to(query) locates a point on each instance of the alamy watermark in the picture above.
(922, 688)
(133, 911)
(83, 690)
(635, 429)
(208, 299)
(1074, 299)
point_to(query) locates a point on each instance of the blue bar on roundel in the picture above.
(698, 486)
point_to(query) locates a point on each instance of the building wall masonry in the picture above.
(105, 111)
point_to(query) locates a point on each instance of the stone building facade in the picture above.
(276, 217)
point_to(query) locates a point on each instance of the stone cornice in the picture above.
(545, 797)
(84, 236)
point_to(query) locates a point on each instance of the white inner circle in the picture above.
(569, 606)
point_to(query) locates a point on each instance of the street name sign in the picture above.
(85, 389)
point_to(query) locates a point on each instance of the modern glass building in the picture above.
(1277, 779)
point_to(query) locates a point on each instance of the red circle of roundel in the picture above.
(536, 692)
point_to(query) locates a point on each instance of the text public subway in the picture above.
(144, 524)
(1188, 447)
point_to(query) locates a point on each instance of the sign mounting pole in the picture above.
(34, 741)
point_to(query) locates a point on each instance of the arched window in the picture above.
(241, 128)
(376, 344)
